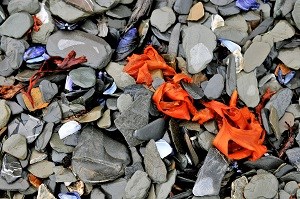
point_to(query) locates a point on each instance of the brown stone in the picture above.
(196, 12)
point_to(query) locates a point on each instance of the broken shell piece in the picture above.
(216, 22)
(231, 46)
(163, 148)
(68, 129)
(77, 187)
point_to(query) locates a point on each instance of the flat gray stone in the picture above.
(280, 101)
(97, 194)
(14, 107)
(97, 51)
(261, 185)
(98, 161)
(43, 192)
(37, 156)
(5, 113)
(205, 139)
(154, 166)
(290, 57)
(44, 138)
(134, 118)
(193, 90)
(293, 156)
(52, 113)
(154, 130)
(84, 77)
(221, 2)
(138, 185)
(237, 22)
(115, 189)
(57, 144)
(16, 146)
(30, 6)
(105, 121)
(198, 44)
(48, 90)
(255, 55)
(183, 6)
(291, 187)
(282, 30)
(63, 174)
(124, 101)
(175, 36)
(294, 109)
(11, 168)
(214, 87)
(265, 162)
(247, 88)
(211, 174)
(230, 80)
(19, 185)
(121, 78)
(16, 25)
(162, 18)
(42, 169)
(237, 187)
(295, 14)
(119, 12)
(230, 33)
(229, 9)
(163, 190)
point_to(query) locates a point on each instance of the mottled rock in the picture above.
(261, 185)
(162, 190)
(210, 174)
(205, 139)
(11, 168)
(16, 146)
(196, 12)
(5, 113)
(237, 187)
(162, 18)
(138, 185)
(43, 193)
(291, 187)
(37, 156)
(42, 169)
(21, 20)
(293, 156)
(154, 166)
(98, 161)
(97, 51)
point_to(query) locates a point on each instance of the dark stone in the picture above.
(153, 130)
(11, 168)
(266, 163)
(44, 137)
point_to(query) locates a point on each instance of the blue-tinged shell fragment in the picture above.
(247, 4)
(33, 52)
(69, 195)
(285, 79)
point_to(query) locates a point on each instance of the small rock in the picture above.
(16, 25)
(291, 187)
(121, 78)
(154, 130)
(16, 146)
(286, 118)
(123, 102)
(293, 156)
(229, 9)
(52, 113)
(294, 109)
(105, 121)
(19, 185)
(214, 87)
(162, 190)
(154, 166)
(194, 91)
(196, 12)
(290, 57)
(97, 51)
(282, 30)
(274, 122)
(283, 169)
(58, 145)
(63, 174)
(5, 113)
(162, 18)
(57, 157)
(119, 12)
(182, 6)
(14, 107)
(293, 175)
(37, 156)
(205, 139)
(115, 189)
(247, 88)
(295, 14)
(265, 162)
(255, 55)
(48, 89)
(138, 185)
(261, 185)
(97, 194)
(283, 194)
(231, 76)
(30, 6)
(221, 2)
(210, 174)
(42, 169)
(11, 168)
(237, 187)
(84, 77)
(230, 33)
(44, 138)
(43, 193)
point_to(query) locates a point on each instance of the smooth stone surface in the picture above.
(293, 156)
(255, 55)
(214, 87)
(43, 193)
(123, 102)
(265, 162)
(274, 121)
(261, 185)
(98, 161)
(134, 118)
(154, 166)
(210, 174)
(42, 169)
(296, 14)
(63, 174)
(37, 156)
(119, 12)
(230, 33)
(22, 21)
(52, 113)
(182, 6)
(162, 18)
(30, 6)
(230, 79)
(237, 22)
(193, 90)
(58, 145)
(229, 9)
(44, 138)
(290, 57)
(162, 190)
(154, 130)
(196, 12)
(5, 113)
(97, 194)
(115, 189)
(11, 168)
(138, 185)
(16, 146)
(221, 2)
(97, 51)
(104, 121)
(247, 88)
(84, 77)
(121, 78)
(205, 139)
(294, 109)
(198, 44)
(280, 101)
(282, 30)
(14, 107)
(48, 90)
(19, 185)
(291, 187)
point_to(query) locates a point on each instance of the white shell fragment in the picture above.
(163, 148)
(68, 129)
(231, 46)
(216, 22)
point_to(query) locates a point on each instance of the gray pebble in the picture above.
(214, 87)
(16, 146)
(162, 18)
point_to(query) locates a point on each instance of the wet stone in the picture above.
(96, 50)
(138, 185)
(21, 20)
(261, 185)
(154, 130)
(214, 87)
(42, 169)
(11, 168)
(208, 181)
(154, 166)
(162, 18)
(16, 146)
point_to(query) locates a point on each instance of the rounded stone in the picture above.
(256, 55)
(5, 113)
(16, 146)
(296, 14)
(42, 169)
(291, 187)
(138, 186)
(84, 77)
(162, 18)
